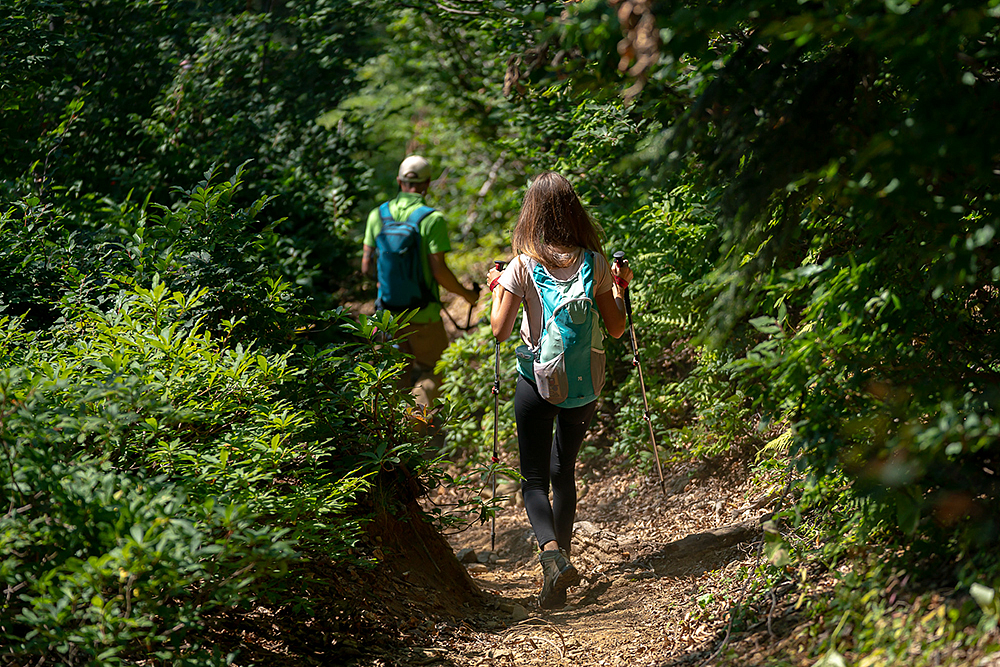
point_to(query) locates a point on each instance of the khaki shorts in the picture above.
(425, 342)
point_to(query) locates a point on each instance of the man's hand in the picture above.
(471, 296)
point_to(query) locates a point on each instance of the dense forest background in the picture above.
(192, 420)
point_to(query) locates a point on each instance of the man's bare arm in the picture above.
(446, 279)
(367, 265)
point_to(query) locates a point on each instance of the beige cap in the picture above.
(415, 169)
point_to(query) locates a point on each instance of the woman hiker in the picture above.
(559, 269)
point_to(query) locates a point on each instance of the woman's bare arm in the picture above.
(505, 304)
(611, 304)
(612, 308)
(504, 312)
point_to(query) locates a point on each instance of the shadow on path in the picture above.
(698, 552)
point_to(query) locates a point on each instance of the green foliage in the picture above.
(877, 614)
(107, 562)
(467, 391)
(36, 261)
(431, 93)
(109, 566)
(206, 84)
(469, 366)
(205, 243)
(174, 430)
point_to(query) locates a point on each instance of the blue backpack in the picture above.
(568, 365)
(401, 283)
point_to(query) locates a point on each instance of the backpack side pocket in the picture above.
(525, 361)
(598, 374)
(551, 380)
(598, 357)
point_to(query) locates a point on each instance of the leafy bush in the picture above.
(107, 567)
(206, 84)
(160, 463)
(104, 563)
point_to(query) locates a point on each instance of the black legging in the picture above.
(544, 458)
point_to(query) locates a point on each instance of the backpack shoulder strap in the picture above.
(383, 212)
(419, 214)
(534, 266)
(587, 272)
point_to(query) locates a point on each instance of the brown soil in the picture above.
(658, 570)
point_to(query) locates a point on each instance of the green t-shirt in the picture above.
(433, 238)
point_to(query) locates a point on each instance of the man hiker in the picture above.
(407, 241)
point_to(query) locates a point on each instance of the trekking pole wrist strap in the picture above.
(621, 282)
(494, 283)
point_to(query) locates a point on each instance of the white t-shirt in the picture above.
(516, 279)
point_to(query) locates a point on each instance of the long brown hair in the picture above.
(552, 215)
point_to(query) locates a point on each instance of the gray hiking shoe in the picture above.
(558, 575)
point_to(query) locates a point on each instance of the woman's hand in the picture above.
(492, 276)
(622, 273)
(622, 270)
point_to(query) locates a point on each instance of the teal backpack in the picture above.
(400, 269)
(568, 364)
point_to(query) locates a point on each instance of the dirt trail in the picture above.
(659, 572)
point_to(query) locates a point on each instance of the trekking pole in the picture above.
(496, 427)
(633, 343)
(472, 306)
(468, 317)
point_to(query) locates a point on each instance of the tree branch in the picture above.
(470, 216)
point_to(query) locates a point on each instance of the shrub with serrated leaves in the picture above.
(141, 408)
(103, 563)
(96, 409)
(108, 566)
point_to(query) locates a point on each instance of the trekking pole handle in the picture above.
(497, 266)
(619, 257)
